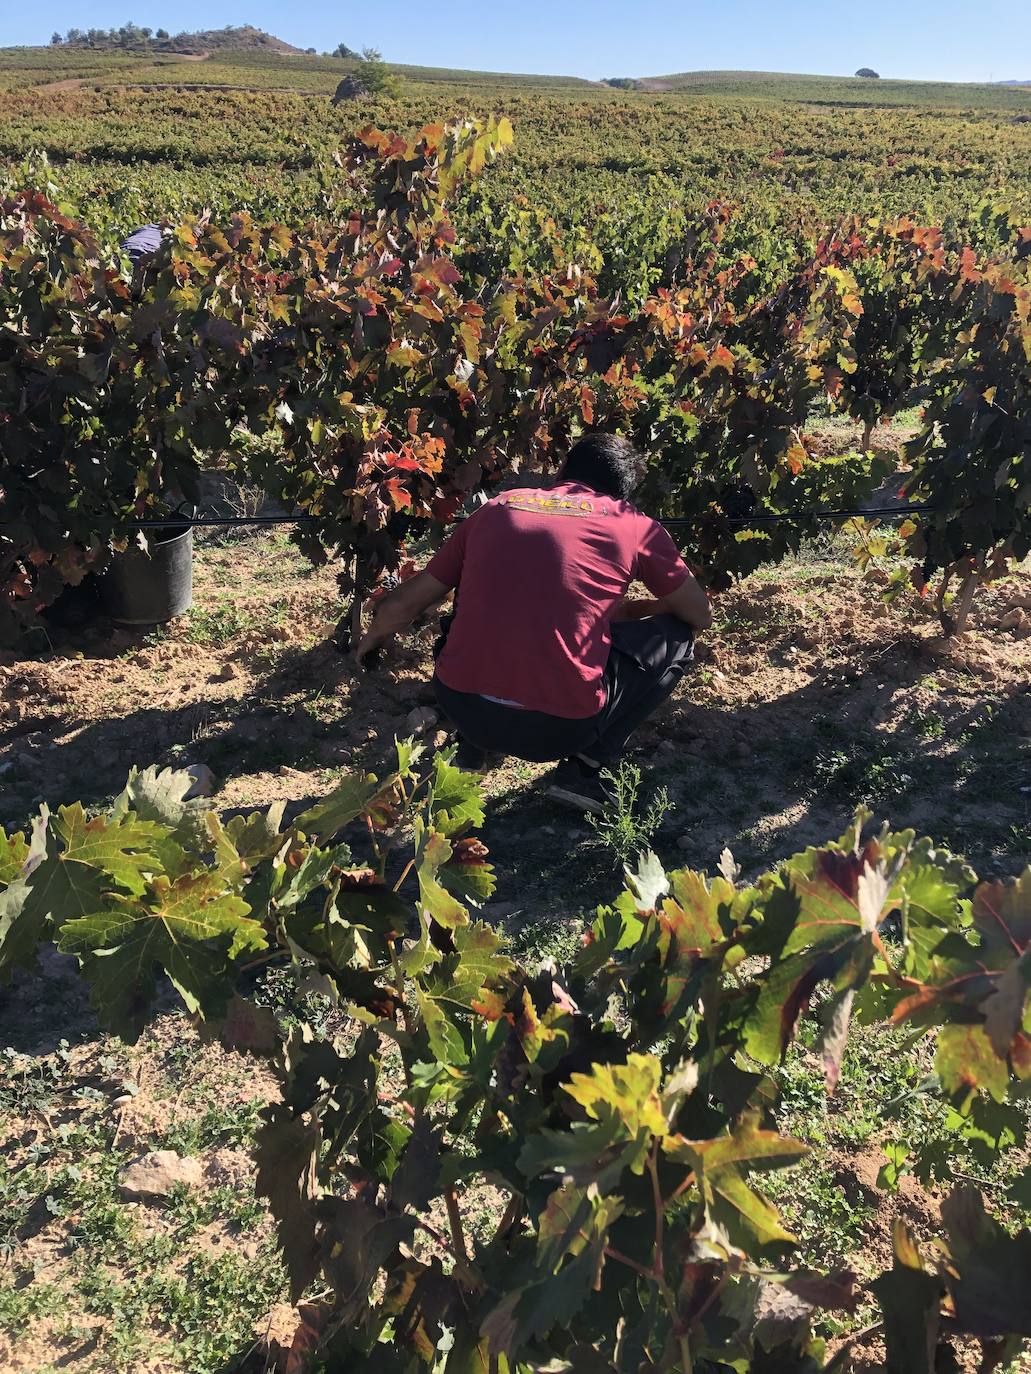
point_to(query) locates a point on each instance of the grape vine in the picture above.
(621, 1107)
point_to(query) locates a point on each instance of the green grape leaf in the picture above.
(256, 836)
(286, 1151)
(989, 1271)
(355, 796)
(433, 852)
(476, 964)
(74, 864)
(966, 1062)
(571, 1242)
(357, 1239)
(416, 1180)
(447, 1043)
(910, 1302)
(409, 752)
(159, 794)
(14, 854)
(624, 1113)
(648, 883)
(190, 928)
(456, 799)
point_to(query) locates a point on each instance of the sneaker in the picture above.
(471, 758)
(577, 785)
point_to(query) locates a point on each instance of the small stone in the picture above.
(420, 720)
(1012, 619)
(685, 842)
(441, 739)
(229, 673)
(281, 633)
(152, 1177)
(203, 784)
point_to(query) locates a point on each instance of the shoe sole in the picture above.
(577, 801)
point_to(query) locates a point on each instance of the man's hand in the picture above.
(398, 609)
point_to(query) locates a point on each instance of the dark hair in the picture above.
(605, 462)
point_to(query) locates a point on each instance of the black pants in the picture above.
(648, 659)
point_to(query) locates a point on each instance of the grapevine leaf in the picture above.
(456, 799)
(160, 795)
(416, 1181)
(84, 861)
(836, 1017)
(823, 919)
(744, 1214)
(286, 1153)
(190, 928)
(357, 1240)
(14, 854)
(989, 1273)
(409, 752)
(58, 889)
(1004, 1008)
(353, 797)
(1002, 916)
(432, 852)
(476, 964)
(467, 875)
(747, 1144)
(624, 1111)
(121, 848)
(447, 1044)
(256, 836)
(571, 1243)
(909, 1299)
(648, 883)
(19, 938)
(965, 1061)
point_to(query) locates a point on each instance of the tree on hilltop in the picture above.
(371, 76)
(869, 73)
(342, 50)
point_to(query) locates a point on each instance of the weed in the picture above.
(217, 625)
(293, 1004)
(234, 1124)
(628, 824)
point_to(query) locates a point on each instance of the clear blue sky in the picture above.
(951, 40)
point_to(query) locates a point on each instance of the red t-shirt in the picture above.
(540, 573)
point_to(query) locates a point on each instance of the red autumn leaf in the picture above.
(400, 496)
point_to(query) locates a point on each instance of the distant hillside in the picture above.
(133, 38)
(846, 91)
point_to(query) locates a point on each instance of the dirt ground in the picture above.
(808, 697)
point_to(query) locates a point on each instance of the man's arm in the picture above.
(688, 603)
(399, 608)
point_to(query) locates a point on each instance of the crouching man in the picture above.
(545, 658)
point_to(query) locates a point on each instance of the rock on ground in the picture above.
(152, 1177)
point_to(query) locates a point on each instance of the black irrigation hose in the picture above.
(746, 521)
